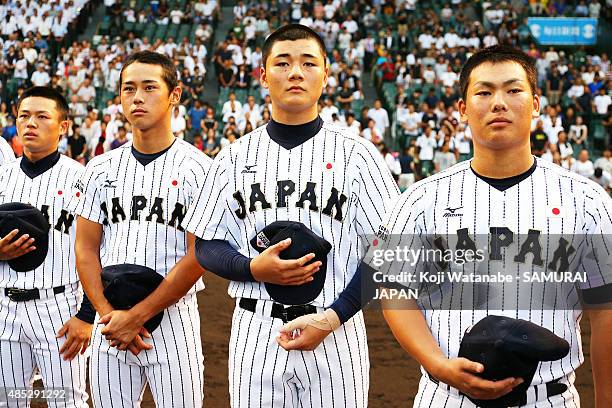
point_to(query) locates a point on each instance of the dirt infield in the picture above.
(393, 375)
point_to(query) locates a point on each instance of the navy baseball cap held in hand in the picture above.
(510, 347)
(303, 242)
(125, 285)
(28, 220)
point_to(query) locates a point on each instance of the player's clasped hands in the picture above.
(461, 373)
(10, 249)
(125, 332)
(308, 331)
(269, 267)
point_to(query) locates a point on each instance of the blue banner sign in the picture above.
(563, 30)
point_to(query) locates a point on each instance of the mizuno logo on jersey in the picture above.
(452, 212)
(284, 190)
(247, 169)
(109, 183)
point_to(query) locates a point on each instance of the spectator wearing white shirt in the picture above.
(380, 116)
(176, 16)
(583, 165)
(40, 77)
(602, 101)
(427, 144)
(566, 151)
(429, 75)
(426, 40)
(306, 19)
(450, 77)
(578, 133)
(86, 92)
(353, 124)
(350, 24)
(232, 107)
(444, 158)
(594, 9)
(178, 124)
(371, 132)
(328, 110)
(409, 120)
(576, 90)
(605, 162)
(251, 111)
(474, 40)
(463, 141)
(490, 39)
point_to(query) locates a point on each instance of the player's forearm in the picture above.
(181, 278)
(601, 356)
(89, 269)
(418, 340)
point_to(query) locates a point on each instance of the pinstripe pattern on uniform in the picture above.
(254, 170)
(30, 328)
(50, 192)
(6, 152)
(115, 185)
(270, 376)
(28, 338)
(588, 211)
(173, 368)
(358, 172)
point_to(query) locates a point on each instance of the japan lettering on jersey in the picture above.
(551, 202)
(336, 184)
(54, 193)
(142, 208)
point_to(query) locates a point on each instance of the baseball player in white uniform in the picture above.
(6, 152)
(297, 168)
(38, 326)
(132, 212)
(503, 192)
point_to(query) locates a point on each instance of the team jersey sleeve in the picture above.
(376, 190)
(207, 217)
(195, 176)
(75, 192)
(6, 152)
(89, 204)
(596, 261)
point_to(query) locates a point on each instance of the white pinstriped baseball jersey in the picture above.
(6, 152)
(53, 192)
(336, 184)
(28, 329)
(142, 207)
(551, 201)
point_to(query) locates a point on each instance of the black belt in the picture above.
(553, 388)
(23, 295)
(279, 311)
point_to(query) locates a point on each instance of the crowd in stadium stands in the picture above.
(411, 51)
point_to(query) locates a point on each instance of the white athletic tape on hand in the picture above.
(328, 320)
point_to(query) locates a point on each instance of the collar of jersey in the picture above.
(35, 169)
(290, 136)
(508, 182)
(146, 158)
